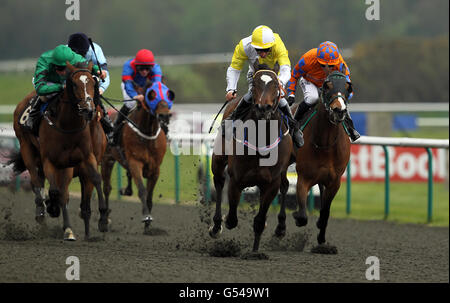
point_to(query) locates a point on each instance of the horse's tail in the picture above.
(17, 161)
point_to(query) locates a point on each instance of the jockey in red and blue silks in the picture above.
(136, 75)
(138, 72)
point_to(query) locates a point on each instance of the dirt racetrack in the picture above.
(179, 249)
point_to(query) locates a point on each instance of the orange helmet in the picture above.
(328, 53)
(144, 57)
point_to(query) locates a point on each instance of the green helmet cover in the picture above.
(61, 54)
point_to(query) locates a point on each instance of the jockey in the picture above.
(312, 69)
(263, 47)
(50, 76)
(80, 44)
(137, 72)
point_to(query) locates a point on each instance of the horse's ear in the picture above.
(90, 65)
(348, 88)
(151, 94)
(171, 95)
(327, 85)
(70, 66)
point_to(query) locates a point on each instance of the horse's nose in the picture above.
(264, 107)
(340, 113)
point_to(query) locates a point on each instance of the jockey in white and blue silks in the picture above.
(80, 44)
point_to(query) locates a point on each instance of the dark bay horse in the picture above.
(325, 155)
(246, 169)
(70, 144)
(141, 150)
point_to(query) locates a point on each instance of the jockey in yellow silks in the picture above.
(262, 47)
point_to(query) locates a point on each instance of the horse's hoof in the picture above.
(147, 219)
(280, 232)
(216, 234)
(68, 235)
(230, 225)
(53, 211)
(40, 218)
(103, 225)
(300, 220)
(126, 192)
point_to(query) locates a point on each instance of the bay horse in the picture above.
(70, 144)
(325, 155)
(244, 169)
(141, 148)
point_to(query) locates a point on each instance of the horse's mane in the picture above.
(81, 64)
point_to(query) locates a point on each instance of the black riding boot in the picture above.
(301, 110)
(34, 115)
(108, 126)
(354, 135)
(124, 111)
(239, 112)
(297, 135)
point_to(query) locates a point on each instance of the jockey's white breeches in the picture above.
(128, 104)
(310, 92)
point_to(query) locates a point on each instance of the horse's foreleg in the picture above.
(85, 206)
(37, 178)
(327, 196)
(89, 169)
(136, 172)
(300, 216)
(218, 168)
(107, 167)
(58, 193)
(151, 182)
(234, 196)
(268, 193)
(280, 231)
(127, 191)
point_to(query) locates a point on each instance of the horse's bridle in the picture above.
(71, 101)
(280, 88)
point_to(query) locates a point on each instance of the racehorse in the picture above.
(325, 155)
(70, 144)
(141, 149)
(163, 122)
(245, 169)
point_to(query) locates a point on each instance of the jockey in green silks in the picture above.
(49, 78)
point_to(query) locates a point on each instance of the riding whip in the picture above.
(214, 121)
(98, 63)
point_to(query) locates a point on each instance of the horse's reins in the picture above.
(328, 110)
(226, 102)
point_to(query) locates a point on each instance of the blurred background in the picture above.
(403, 57)
(402, 60)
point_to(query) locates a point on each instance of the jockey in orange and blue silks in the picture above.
(311, 71)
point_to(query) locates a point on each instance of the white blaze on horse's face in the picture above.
(266, 79)
(84, 79)
(341, 101)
